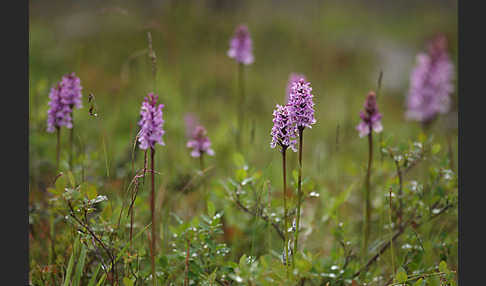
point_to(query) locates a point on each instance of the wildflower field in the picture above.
(243, 143)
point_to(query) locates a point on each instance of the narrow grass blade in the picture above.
(69, 269)
(80, 266)
(92, 281)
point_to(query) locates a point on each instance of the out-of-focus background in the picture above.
(340, 46)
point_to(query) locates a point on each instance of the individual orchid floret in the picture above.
(283, 131)
(431, 83)
(301, 104)
(370, 117)
(200, 142)
(151, 123)
(241, 46)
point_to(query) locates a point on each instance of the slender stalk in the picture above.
(400, 189)
(367, 196)
(299, 193)
(186, 279)
(391, 239)
(205, 194)
(131, 226)
(152, 210)
(51, 217)
(450, 152)
(71, 140)
(241, 86)
(58, 147)
(201, 162)
(286, 225)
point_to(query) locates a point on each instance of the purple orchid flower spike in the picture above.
(431, 83)
(151, 123)
(200, 142)
(370, 117)
(241, 46)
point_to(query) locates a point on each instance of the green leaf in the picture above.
(211, 209)
(419, 282)
(295, 175)
(238, 160)
(443, 267)
(401, 275)
(240, 175)
(127, 281)
(55, 191)
(71, 179)
(243, 261)
(163, 261)
(90, 191)
(61, 183)
(435, 149)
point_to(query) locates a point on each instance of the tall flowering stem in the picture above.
(64, 97)
(241, 104)
(58, 147)
(151, 131)
(241, 46)
(301, 105)
(370, 121)
(299, 190)
(201, 145)
(152, 212)
(71, 96)
(283, 134)
(431, 83)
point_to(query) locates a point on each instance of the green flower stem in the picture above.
(391, 238)
(241, 86)
(152, 210)
(367, 197)
(71, 140)
(58, 147)
(286, 225)
(299, 194)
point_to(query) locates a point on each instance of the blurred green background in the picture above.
(340, 46)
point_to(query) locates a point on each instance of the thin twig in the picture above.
(110, 255)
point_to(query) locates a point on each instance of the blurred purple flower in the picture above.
(71, 90)
(283, 132)
(241, 46)
(151, 123)
(293, 77)
(200, 142)
(431, 83)
(301, 104)
(370, 117)
(59, 114)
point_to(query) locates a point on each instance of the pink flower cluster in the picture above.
(151, 123)
(64, 97)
